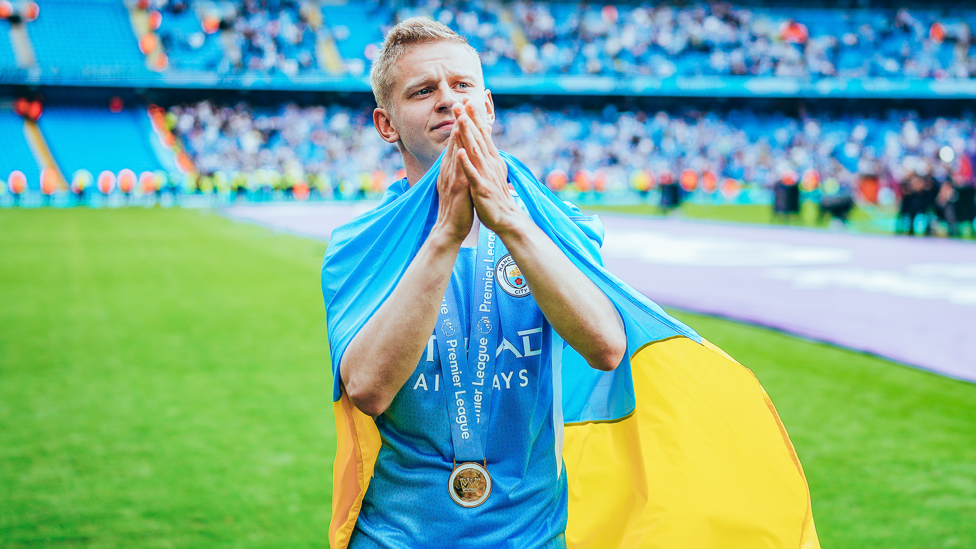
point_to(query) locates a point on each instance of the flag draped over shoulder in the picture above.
(679, 447)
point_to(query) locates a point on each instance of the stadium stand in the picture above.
(307, 140)
(16, 152)
(560, 38)
(610, 139)
(7, 57)
(97, 139)
(62, 37)
(720, 39)
(699, 49)
(355, 32)
(189, 48)
(742, 145)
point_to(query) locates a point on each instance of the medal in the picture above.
(467, 376)
(469, 485)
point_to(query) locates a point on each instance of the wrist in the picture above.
(515, 228)
(444, 238)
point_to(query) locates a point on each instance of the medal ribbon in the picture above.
(468, 374)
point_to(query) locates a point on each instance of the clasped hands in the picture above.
(474, 178)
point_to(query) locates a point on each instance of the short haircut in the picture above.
(398, 42)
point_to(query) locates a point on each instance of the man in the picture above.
(431, 99)
(667, 441)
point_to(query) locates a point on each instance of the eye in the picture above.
(421, 92)
(463, 85)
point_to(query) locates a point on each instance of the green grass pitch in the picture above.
(164, 382)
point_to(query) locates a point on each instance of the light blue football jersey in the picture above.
(408, 504)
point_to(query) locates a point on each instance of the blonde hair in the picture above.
(398, 42)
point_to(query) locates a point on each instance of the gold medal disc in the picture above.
(469, 485)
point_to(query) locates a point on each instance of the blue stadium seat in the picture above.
(96, 139)
(7, 58)
(93, 38)
(362, 25)
(16, 153)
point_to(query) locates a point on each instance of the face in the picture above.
(429, 79)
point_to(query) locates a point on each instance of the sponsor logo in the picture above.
(510, 278)
(531, 346)
(502, 381)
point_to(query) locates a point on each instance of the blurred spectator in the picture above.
(945, 206)
(786, 196)
(966, 204)
(837, 206)
(916, 198)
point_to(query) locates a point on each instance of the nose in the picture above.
(446, 98)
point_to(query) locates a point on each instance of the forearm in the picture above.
(576, 308)
(385, 352)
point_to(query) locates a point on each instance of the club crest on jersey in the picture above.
(510, 278)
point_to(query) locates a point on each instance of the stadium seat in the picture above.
(7, 58)
(96, 139)
(16, 152)
(92, 38)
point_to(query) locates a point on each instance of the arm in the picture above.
(576, 308)
(385, 352)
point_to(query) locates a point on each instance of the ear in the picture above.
(384, 125)
(489, 107)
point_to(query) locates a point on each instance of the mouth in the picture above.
(444, 124)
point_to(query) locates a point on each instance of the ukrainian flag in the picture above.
(679, 447)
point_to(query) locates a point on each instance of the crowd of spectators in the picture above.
(878, 159)
(565, 38)
(260, 36)
(720, 38)
(326, 146)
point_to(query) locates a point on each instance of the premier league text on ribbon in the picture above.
(485, 325)
(469, 392)
(481, 355)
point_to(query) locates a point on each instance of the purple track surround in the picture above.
(912, 300)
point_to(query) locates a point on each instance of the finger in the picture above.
(458, 172)
(454, 142)
(447, 160)
(462, 181)
(448, 168)
(474, 147)
(471, 108)
(458, 110)
(474, 142)
(481, 120)
(463, 125)
(470, 171)
(452, 146)
(468, 139)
